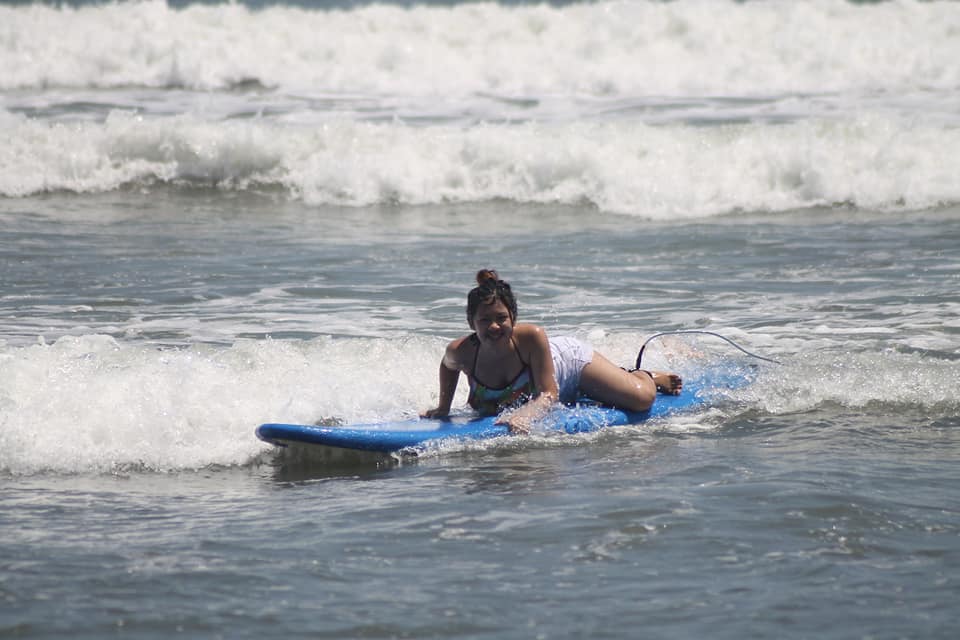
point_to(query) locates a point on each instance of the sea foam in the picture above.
(641, 47)
(660, 110)
(94, 404)
(874, 161)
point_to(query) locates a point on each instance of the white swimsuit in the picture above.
(570, 356)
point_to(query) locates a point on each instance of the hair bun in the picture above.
(487, 277)
(490, 288)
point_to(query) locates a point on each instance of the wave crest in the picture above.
(599, 49)
(874, 162)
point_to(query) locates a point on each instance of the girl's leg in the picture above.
(607, 383)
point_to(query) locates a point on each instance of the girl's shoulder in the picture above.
(460, 352)
(526, 331)
(530, 338)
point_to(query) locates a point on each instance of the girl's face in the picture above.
(492, 322)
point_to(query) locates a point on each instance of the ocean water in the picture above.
(216, 215)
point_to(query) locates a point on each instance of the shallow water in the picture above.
(821, 500)
(761, 527)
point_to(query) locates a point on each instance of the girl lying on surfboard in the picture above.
(516, 366)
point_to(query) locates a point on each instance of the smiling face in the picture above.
(493, 322)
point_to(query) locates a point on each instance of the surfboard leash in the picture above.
(697, 331)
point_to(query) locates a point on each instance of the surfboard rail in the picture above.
(584, 416)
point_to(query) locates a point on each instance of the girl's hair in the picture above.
(490, 288)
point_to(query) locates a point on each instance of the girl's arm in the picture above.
(449, 376)
(535, 349)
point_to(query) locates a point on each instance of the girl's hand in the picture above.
(522, 419)
(518, 425)
(435, 413)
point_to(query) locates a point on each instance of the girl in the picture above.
(510, 365)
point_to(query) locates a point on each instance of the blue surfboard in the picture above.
(698, 393)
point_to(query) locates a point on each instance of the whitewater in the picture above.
(604, 49)
(609, 104)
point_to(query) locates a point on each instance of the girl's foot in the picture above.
(667, 383)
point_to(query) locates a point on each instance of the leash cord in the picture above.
(708, 333)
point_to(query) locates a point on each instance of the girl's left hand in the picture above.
(518, 425)
(435, 413)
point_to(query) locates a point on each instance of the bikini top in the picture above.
(490, 401)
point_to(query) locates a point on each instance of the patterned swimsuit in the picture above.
(490, 401)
